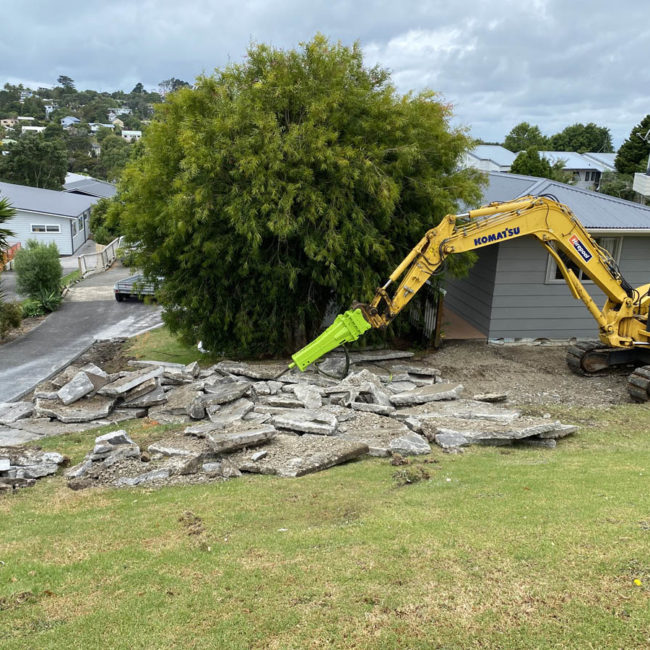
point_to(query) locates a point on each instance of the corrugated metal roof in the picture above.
(605, 159)
(572, 160)
(494, 152)
(594, 210)
(35, 199)
(92, 187)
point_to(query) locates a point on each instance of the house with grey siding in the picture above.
(515, 291)
(48, 216)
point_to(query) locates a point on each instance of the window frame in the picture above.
(48, 228)
(552, 270)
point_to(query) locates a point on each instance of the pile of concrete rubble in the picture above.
(251, 418)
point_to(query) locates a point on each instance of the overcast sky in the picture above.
(548, 62)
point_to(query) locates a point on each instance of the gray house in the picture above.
(515, 290)
(48, 216)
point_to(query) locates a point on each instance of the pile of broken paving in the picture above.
(250, 418)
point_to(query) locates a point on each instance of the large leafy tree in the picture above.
(281, 184)
(582, 138)
(35, 160)
(530, 163)
(523, 136)
(633, 154)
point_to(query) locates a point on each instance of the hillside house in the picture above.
(32, 129)
(515, 291)
(68, 121)
(48, 216)
(131, 136)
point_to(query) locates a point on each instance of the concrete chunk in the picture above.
(309, 396)
(221, 443)
(83, 410)
(228, 413)
(291, 456)
(79, 386)
(410, 444)
(10, 412)
(319, 422)
(129, 381)
(432, 393)
(222, 393)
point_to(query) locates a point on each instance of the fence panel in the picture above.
(100, 260)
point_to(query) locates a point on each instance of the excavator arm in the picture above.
(622, 322)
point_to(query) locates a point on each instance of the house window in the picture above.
(74, 227)
(46, 227)
(553, 274)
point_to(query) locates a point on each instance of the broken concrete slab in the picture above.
(410, 444)
(231, 412)
(244, 370)
(84, 410)
(11, 412)
(185, 400)
(413, 369)
(377, 409)
(309, 396)
(491, 397)
(154, 397)
(79, 386)
(315, 421)
(462, 408)
(26, 463)
(224, 392)
(425, 394)
(293, 456)
(485, 431)
(559, 431)
(147, 477)
(96, 375)
(221, 443)
(130, 380)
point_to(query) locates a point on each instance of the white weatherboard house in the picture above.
(515, 291)
(48, 216)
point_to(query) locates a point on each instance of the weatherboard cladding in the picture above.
(35, 199)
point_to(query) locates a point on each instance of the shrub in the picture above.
(32, 309)
(10, 317)
(38, 269)
(49, 300)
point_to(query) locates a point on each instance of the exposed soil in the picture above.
(529, 374)
(26, 326)
(108, 355)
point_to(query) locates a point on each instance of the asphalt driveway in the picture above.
(89, 313)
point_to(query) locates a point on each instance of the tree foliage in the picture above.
(619, 185)
(530, 163)
(284, 183)
(38, 269)
(633, 155)
(35, 160)
(523, 136)
(582, 138)
(6, 213)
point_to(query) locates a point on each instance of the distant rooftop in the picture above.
(494, 152)
(77, 184)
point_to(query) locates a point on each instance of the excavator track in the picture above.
(578, 353)
(638, 384)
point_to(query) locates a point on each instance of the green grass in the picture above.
(499, 549)
(160, 345)
(70, 278)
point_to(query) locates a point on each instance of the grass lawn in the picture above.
(500, 548)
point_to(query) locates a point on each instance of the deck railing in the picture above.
(100, 260)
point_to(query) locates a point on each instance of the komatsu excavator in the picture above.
(622, 322)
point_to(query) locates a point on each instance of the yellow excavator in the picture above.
(622, 322)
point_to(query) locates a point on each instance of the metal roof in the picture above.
(35, 199)
(91, 187)
(605, 159)
(572, 160)
(494, 152)
(595, 211)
